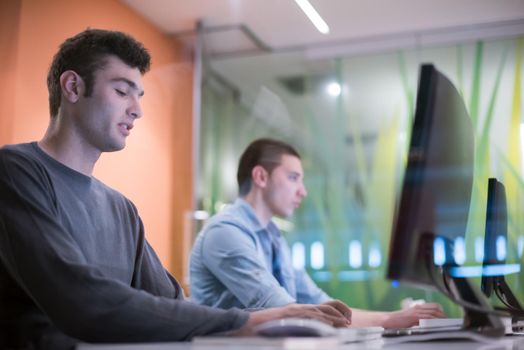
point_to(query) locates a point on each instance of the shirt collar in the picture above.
(250, 214)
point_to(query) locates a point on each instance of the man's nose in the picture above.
(303, 191)
(135, 110)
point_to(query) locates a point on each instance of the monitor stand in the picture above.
(475, 320)
(506, 296)
(478, 312)
(480, 323)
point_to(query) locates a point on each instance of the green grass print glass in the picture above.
(354, 167)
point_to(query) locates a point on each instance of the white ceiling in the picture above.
(280, 23)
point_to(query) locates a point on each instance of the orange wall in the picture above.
(9, 27)
(154, 170)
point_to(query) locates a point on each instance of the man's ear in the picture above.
(259, 176)
(72, 86)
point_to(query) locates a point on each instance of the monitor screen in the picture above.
(494, 267)
(432, 215)
(436, 190)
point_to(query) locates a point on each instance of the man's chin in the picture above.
(115, 147)
(286, 215)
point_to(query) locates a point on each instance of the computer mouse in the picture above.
(295, 327)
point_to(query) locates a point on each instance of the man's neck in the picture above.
(64, 146)
(255, 200)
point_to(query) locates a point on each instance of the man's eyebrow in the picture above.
(131, 84)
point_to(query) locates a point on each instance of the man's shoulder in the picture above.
(19, 150)
(231, 216)
(226, 229)
(19, 156)
(27, 158)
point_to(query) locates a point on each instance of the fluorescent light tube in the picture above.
(313, 16)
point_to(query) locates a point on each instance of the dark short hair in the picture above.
(87, 52)
(264, 152)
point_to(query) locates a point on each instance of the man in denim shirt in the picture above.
(240, 258)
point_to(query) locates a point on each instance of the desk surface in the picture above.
(506, 343)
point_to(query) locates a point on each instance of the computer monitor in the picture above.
(435, 200)
(495, 245)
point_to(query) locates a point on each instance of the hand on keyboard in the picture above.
(331, 313)
(411, 316)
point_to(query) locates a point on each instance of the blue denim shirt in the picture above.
(230, 264)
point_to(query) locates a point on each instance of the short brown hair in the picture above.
(265, 152)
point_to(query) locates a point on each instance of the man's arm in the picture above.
(44, 260)
(396, 319)
(307, 290)
(231, 255)
(149, 273)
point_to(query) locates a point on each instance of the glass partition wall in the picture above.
(349, 113)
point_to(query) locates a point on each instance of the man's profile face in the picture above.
(285, 189)
(105, 118)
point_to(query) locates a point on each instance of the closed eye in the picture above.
(120, 92)
(294, 177)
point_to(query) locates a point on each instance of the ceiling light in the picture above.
(334, 89)
(313, 16)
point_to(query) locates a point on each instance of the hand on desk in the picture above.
(334, 313)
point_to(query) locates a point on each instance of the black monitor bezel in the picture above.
(411, 247)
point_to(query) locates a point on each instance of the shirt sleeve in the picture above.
(307, 290)
(231, 255)
(150, 275)
(48, 265)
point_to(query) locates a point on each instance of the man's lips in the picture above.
(125, 128)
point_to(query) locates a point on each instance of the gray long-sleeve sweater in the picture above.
(75, 266)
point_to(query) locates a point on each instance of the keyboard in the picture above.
(427, 325)
(440, 322)
(392, 336)
(435, 329)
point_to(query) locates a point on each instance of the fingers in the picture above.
(428, 306)
(411, 316)
(336, 317)
(325, 313)
(431, 310)
(341, 307)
